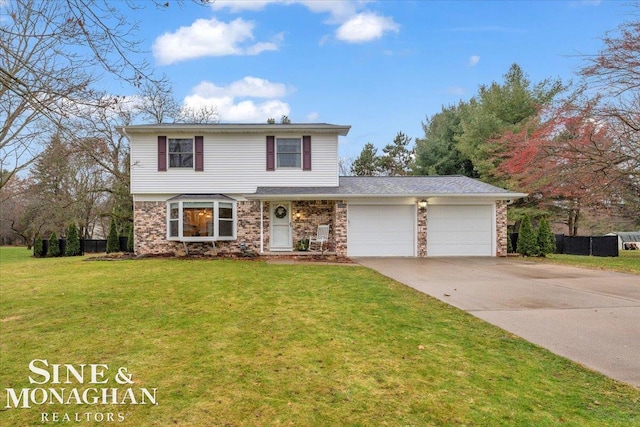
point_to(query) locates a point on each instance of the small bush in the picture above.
(527, 239)
(38, 248)
(113, 241)
(302, 245)
(73, 241)
(130, 239)
(54, 245)
(546, 239)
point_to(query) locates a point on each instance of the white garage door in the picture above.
(460, 230)
(381, 230)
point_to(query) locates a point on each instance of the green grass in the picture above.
(627, 262)
(245, 343)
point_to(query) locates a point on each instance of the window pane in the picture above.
(174, 211)
(225, 211)
(173, 228)
(181, 160)
(288, 160)
(197, 219)
(288, 145)
(225, 228)
(180, 146)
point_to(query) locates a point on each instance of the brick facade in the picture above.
(501, 228)
(150, 228)
(422, 232)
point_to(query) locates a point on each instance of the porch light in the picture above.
(422, 204)
(298, 215)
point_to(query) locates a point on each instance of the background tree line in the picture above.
(573, 148)
(61, 159)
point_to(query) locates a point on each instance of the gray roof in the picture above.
(207, 197)
(263, 128)
(406, 186)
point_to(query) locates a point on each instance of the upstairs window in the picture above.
(289, 153)
(180, 152)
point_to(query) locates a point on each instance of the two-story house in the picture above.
(208, 188)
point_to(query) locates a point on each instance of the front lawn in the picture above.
(246, 343)
(627, 262)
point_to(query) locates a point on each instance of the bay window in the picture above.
(201, 220)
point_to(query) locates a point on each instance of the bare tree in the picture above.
(52, 54)
(202, 114)
(614, 75)
(156, 103)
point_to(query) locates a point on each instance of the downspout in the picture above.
(261, 226)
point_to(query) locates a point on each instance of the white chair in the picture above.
(322, 236)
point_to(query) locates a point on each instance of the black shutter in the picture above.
(199, 151)
(271, 153)
(306, 153)
(162, 153)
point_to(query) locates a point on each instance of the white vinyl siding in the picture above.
(233, 164)
(460, 230)
(381, 230)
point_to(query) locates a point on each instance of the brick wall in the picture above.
(150, 232)
(312, 214)
(340, 218)
(422, 232)
(501, 228)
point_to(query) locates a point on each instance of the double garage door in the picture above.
(390, 230)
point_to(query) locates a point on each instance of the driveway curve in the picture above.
(589, 316)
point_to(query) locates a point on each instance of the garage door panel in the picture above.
(381, 230)
(463, 230)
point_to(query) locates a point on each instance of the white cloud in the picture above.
(353, 27)
(455, 90)
(339, 10)
(365, 27)
(208, 37)
(313, 117)
(249, 87)
(232, 103)
(473, 60)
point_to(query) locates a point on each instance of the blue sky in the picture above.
(379, 66)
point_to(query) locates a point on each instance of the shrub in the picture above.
(113, 241)
(73, 241)
(546, 239)
(38, 248)
(527, 239)
(54, 245)
(130, 239)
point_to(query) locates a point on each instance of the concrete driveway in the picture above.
(589, 316)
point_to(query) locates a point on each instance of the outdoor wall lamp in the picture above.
(422, 204)
(298, 215)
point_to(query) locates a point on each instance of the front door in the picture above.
(281, 227)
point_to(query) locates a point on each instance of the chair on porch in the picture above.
(322, 236)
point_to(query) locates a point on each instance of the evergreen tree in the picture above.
(527, 242)
(130, 247)
(54, 245)
(398, 157)
(546, 239)
(367, 163)
(113, 240)
(38, 248)
(73, 241)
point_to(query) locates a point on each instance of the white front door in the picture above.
(281, 227)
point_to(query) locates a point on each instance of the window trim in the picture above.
(215, 203)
